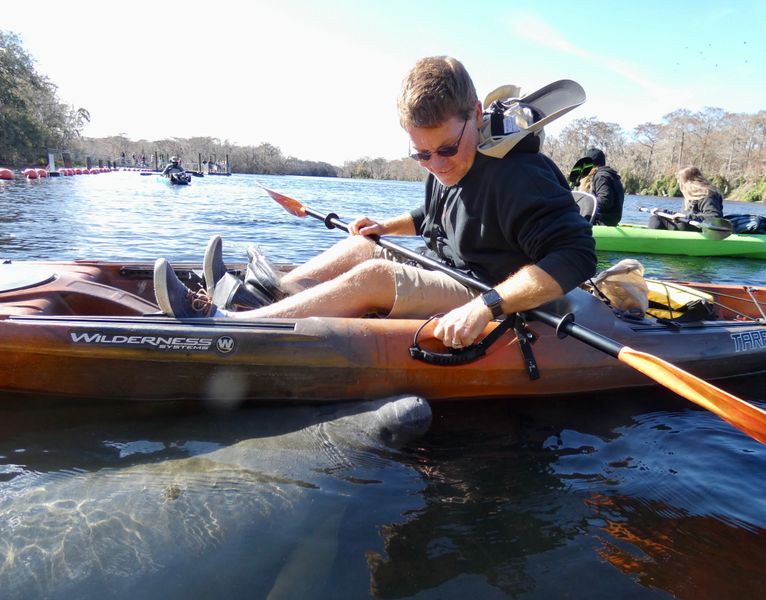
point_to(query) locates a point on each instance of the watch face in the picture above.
(493, 301)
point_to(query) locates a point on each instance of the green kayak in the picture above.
(642, 240)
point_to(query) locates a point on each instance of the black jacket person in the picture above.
(605, 185)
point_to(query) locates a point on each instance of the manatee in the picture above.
(123, 531)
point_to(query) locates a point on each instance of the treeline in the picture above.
(729, 148)
(265, 158)
(262, 159)
(31, 117)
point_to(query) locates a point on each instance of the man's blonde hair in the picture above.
(436, 89)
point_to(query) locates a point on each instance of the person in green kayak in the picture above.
(701, 201)
(508, 221)
(595, 177)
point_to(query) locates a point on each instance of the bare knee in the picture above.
(373, 279)
(373, 269)
(333, 262)
(359, 246)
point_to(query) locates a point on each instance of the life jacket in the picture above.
(676, 302)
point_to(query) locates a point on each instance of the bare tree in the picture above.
(647, 135)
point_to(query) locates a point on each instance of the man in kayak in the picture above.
(507, 221)
(173, 167)
(603, 182)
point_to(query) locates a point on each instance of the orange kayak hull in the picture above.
(90, 329)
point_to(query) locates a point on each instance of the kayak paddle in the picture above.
(744, 416)
(714, 228)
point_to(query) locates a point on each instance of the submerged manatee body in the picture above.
(125, 530)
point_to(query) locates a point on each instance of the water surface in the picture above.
(615, 496)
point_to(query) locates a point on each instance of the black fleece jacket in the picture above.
(505, 214)
(607, 187)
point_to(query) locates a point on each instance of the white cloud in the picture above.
(605, 98)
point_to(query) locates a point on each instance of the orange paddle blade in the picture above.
(743, 415)
(291, 205)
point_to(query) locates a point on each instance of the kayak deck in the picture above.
(640, 239)
(90, 329)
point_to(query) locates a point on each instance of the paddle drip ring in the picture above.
(567, 318)
(328, 220)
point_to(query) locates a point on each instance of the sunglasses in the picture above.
(443, 151)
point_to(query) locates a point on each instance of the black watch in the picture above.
(493, 301)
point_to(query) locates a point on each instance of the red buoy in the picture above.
(6, 174)
(30, 173)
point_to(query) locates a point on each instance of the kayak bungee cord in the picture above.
(741, 414)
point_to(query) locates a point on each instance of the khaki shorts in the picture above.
(421, 293)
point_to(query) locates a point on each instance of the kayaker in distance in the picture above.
(701, 201)
(174, 166)
(594, 177)
(175, 172)
(509, 221)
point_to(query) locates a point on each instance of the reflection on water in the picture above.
(641, 496)
(598, 499)
(688, 555)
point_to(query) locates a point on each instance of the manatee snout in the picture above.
(402, 420)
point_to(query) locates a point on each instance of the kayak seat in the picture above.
(83, 297)
(587, 204)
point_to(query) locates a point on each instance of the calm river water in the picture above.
(641, 496)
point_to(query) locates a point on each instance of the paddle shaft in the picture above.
(670, 217)
(723, 226)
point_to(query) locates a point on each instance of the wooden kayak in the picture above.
(640, 239)
(90, 329)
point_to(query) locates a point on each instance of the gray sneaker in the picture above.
(213, 267)
(174, 298)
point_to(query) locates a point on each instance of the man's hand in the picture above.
(366, 226)
(461, 326)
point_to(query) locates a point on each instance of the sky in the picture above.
(319, 79)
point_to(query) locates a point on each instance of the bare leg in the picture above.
(334, 261)
(367, 287)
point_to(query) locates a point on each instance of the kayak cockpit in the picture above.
(77, 289)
